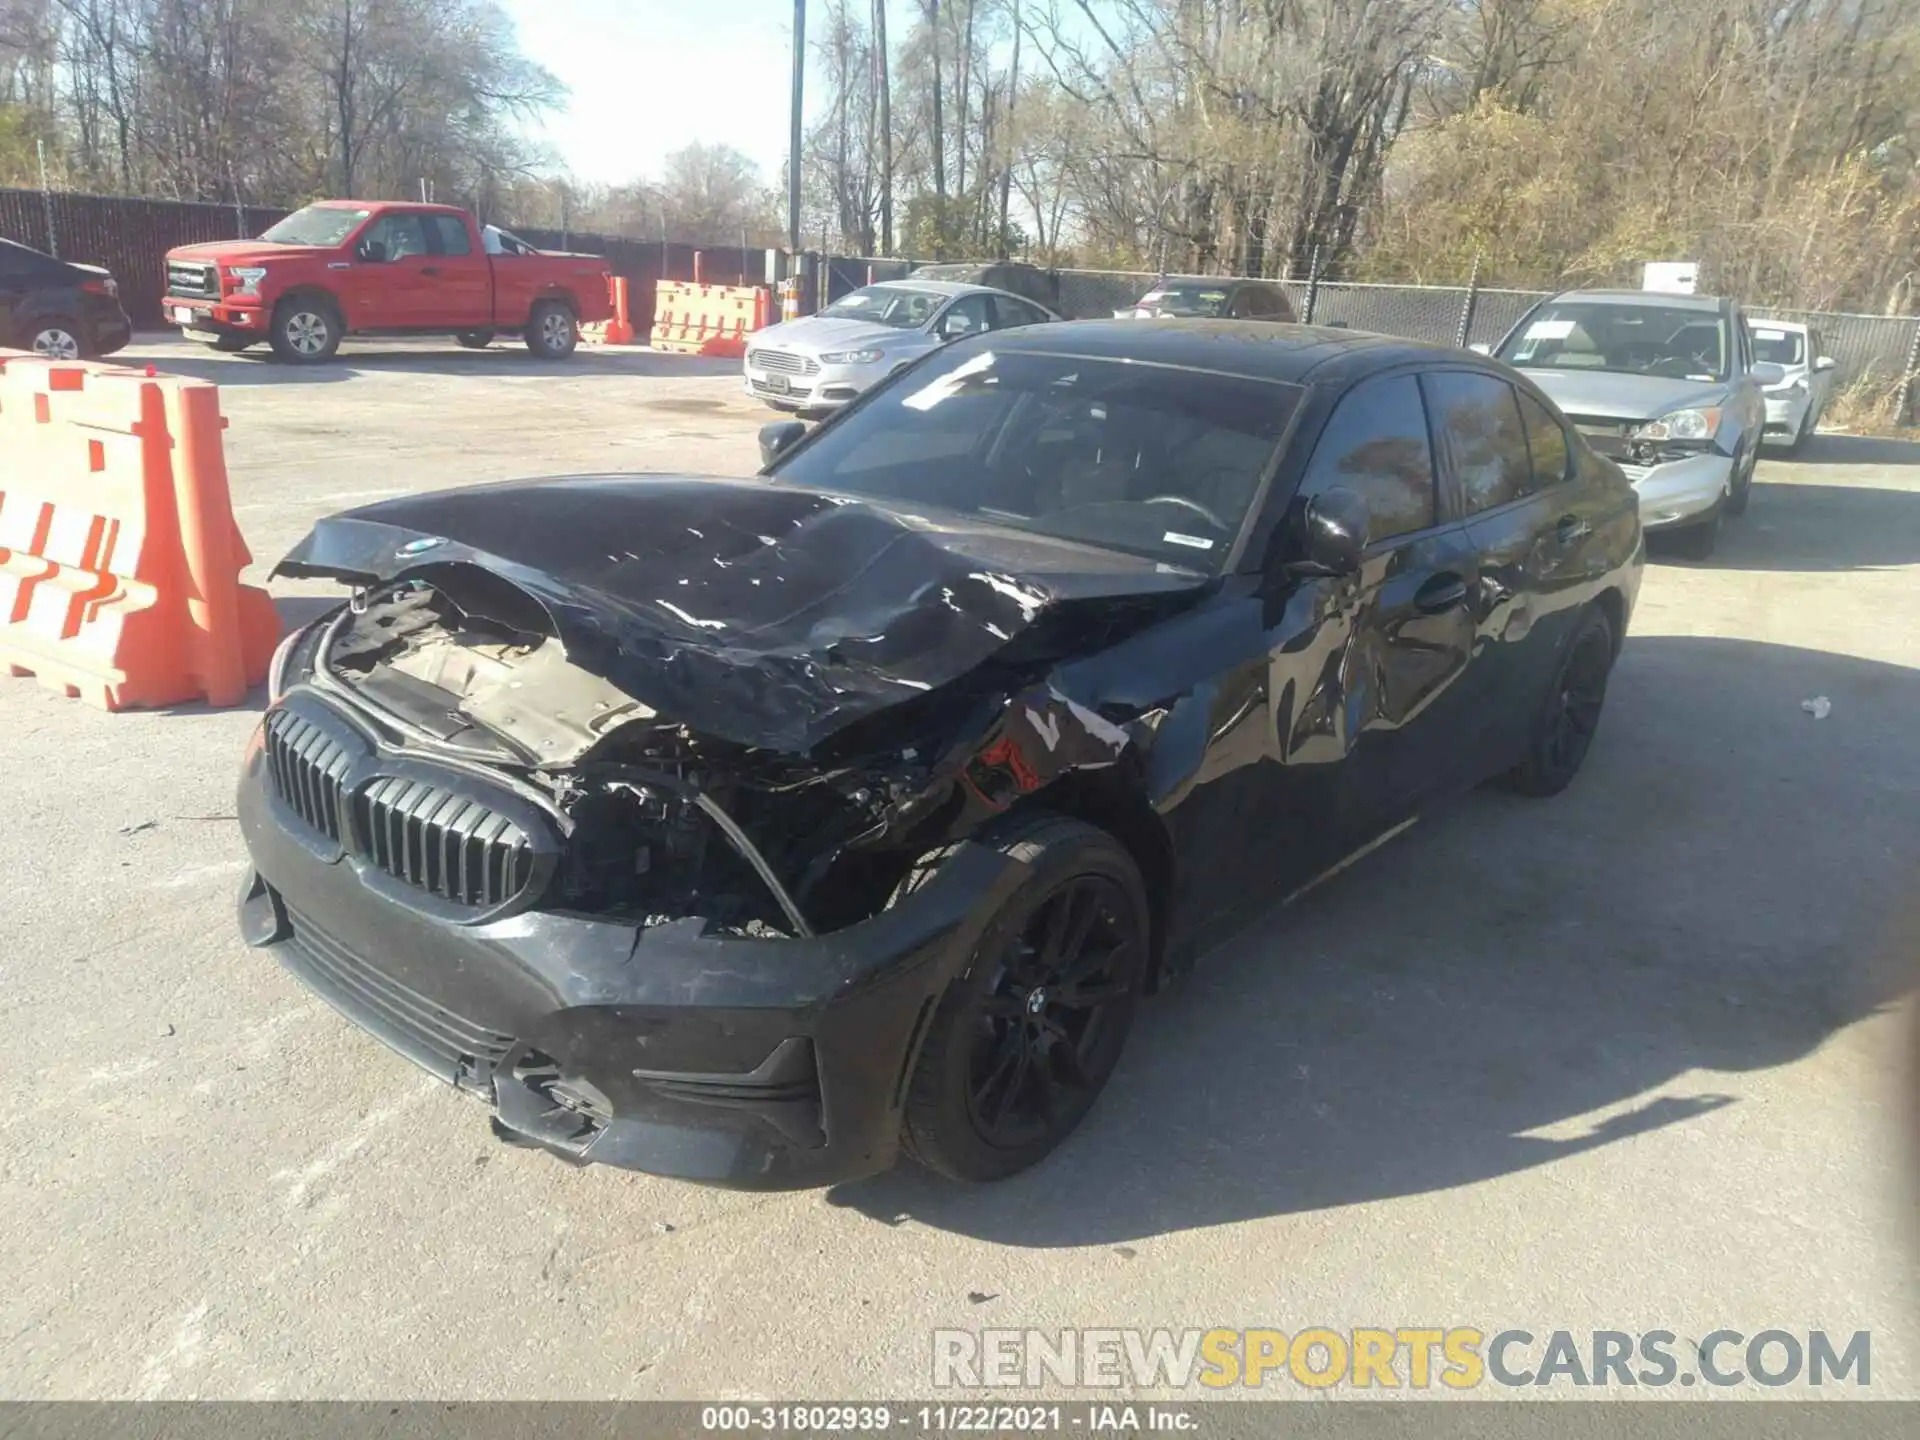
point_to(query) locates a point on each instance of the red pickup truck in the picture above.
(356, 267)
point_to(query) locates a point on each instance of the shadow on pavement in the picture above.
(1794, 526)
(1515, 982)
(258, 367)
(1857, 450)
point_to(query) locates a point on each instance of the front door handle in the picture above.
(1440, 594)
(1572, 528)
(429, 269)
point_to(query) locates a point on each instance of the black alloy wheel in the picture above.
(1564, 730)
(1042, 1034)
(1023, 1043)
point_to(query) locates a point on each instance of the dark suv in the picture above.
(1014, 276)
(58, 308)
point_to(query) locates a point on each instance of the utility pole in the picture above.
(886, 126)
(795, 137)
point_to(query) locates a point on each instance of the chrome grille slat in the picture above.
(192, 280)
(782, 362)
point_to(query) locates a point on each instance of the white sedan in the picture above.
(819, 362)
(1795, 405)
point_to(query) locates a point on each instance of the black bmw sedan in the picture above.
(756, 830)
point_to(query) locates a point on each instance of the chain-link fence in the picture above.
(1863, 347)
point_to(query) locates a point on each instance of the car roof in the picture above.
(1645, 297)
(1255, 349)
(385, 205)
(940, 287)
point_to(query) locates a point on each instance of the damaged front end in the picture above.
(484, 825)
(919, 676)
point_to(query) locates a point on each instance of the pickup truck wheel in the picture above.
(552, 332)
(305, 331)
(474, 339)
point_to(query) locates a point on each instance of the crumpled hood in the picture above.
(1624, 397)
(239, 251)
(753, 611)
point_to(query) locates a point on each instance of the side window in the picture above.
(1476, 423)
(447, 235)
(1009, 313)
(1265, 304)
(1375, 444)
(1547, 440)
(966, 316)
(400, 233)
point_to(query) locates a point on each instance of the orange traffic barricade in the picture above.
(119, 557)
(696, 319)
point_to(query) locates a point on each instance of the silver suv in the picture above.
(1666, 386)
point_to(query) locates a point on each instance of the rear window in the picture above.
(1779, 347)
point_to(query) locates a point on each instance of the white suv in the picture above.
(1795, 405)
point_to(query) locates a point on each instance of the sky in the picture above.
(649, 76)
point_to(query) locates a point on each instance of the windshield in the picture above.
(1206, 302)
(323, 225)
(897, 306)
(1625, 339)
(1148, 459)
(1780, 347)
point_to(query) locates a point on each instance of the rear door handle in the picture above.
(1572, 528)
(429, 269)
(1441, 593)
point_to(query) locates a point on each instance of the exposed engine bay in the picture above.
(661, 823)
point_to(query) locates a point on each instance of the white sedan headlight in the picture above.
(851, 357)
(1681, 425)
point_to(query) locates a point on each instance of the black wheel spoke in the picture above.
(1005, 1056)
(1004, 1006)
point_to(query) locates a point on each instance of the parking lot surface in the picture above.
(1634, 1058)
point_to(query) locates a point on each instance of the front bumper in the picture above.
(763, 1064)
(827, 389)
(211, 317)
(1785, 412)
(1680, 491)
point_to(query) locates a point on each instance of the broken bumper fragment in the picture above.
(668, 1048)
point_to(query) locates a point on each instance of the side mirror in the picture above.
(779, 437)
(1767, 373)
(1480, 347)
(1333, 532)
(374, 252)
(1825, 362)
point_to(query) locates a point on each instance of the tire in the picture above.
(552, 332)
(305, 331)
(55, 337)
(1569, 714)
(232, 344)
(1741, 490)
(474, 339)
(1003, 1078)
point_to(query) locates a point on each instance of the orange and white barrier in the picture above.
(694, 319)
(119, 557)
